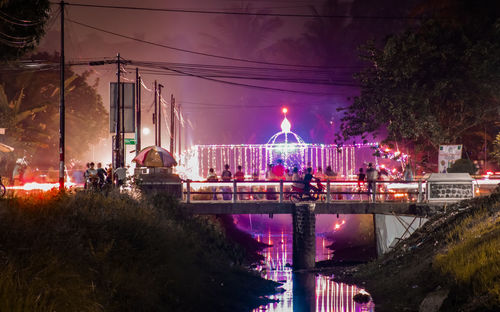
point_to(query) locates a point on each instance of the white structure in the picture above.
(449, 187)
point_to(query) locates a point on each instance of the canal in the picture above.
(307, 292)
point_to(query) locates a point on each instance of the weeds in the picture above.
(89, 252)
(472, 258)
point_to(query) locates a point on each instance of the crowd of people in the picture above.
(371, 175)
(99, 178)
(303, 181)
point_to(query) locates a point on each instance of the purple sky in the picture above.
(221, 113)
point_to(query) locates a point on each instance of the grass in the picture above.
(89, 252)
(472, 258)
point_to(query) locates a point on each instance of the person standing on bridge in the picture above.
(298, 182)
(361, 182)
(240, 177)
(226, 177)
(212, 177)
(408, 177)
(371, 178)
(331, 176)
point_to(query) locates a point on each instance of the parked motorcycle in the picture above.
(315, 193)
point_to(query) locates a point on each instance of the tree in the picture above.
(31, 116)
(242, 36)
(496, 149)
(22, 25)
(435, 84)
(463, 165)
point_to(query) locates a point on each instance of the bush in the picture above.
(463, 165)
(88, 252)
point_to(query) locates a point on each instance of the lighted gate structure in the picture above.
(285, 145)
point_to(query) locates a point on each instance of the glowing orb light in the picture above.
(146, 131)
(284, 110)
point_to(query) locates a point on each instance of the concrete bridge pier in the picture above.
(304, 236)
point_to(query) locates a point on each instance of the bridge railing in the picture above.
(281, 191)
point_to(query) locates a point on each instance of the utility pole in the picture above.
(159, 114)
(137, 111)
(61, 106)
(122, 103)
(179, 127)
(172, 124)
(118, 117)
(155, 114)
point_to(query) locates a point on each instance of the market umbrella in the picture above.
(5, 148)
(155, 156)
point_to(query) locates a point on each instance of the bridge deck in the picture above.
(337, 207)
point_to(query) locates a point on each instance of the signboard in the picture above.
(450, 191)
(449, 187)
(448, 154)
(127, 99)
(129, 141)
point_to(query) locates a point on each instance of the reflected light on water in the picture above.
(316, 292)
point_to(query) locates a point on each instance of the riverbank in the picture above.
(452, 263)
(88, 252)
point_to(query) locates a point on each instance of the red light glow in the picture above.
(284, 110)
(31, 186)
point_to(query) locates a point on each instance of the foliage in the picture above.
(242, 35)
(22, 25)
(88, 252)
(478, 270)
(463, 165)
(496, 149)
(31, 116)
(434, 84)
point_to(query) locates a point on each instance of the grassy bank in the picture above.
(452, 262)
(87, 252)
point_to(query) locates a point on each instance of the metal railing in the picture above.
(280, 191)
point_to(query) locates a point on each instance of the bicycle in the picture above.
(3, 190)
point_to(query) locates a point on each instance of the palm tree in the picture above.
(242, 36)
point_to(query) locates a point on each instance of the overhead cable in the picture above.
(336, 16)
(190, 51)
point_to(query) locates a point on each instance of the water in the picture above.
(306, 291)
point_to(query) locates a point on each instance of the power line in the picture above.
(322, 77)
(248, 85)
(339, 16)
(189, 51)
(191, 70)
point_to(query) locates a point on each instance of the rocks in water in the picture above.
(433, 301)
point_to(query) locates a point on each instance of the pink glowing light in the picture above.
(284, 110)
(337, 226)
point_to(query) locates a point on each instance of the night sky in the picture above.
(224, 113)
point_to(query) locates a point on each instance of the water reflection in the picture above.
(305, 292)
